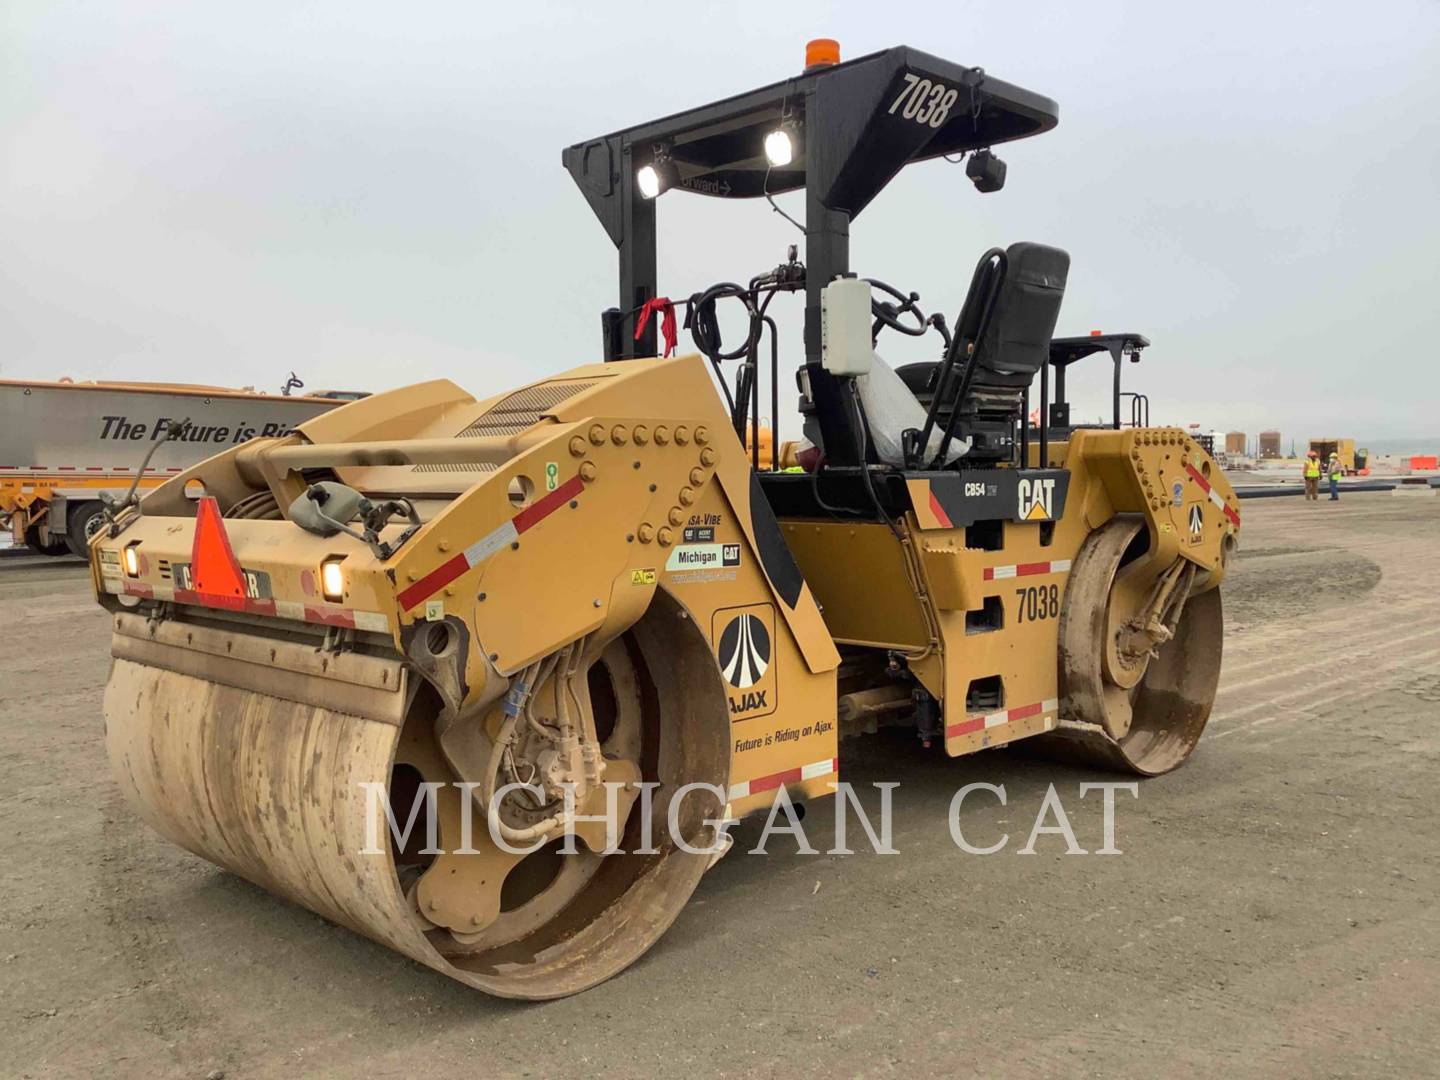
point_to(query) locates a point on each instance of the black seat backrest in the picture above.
(1017, 337)
(1002, 338)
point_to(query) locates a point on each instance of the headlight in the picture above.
(332, 580)
(131, 555)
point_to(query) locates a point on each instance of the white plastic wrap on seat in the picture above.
(890, 408)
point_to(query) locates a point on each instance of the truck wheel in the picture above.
(85, 521)
(52, 547)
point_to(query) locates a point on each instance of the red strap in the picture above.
(668, 329)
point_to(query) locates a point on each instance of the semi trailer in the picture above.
(65, 446)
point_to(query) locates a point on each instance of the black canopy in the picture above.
(853, 126)
(858, 124)
(1065, 351)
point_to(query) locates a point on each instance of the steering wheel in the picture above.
(888, 314)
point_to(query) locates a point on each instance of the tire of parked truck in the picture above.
(85, 521)
(54, 547)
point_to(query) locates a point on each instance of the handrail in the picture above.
(1139, 408)
(970, 327)
(483, 450)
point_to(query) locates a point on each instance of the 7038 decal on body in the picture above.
(924, 100)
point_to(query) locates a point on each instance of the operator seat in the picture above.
(1005, 326)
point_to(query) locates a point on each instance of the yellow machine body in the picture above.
(489, 680)
(978, 618)
(608, 516)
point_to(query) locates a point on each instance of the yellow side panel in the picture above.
(782, 714)
(858, 573)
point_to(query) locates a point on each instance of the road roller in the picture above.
(488, 680)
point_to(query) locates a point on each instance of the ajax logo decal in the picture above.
(1197, 521)
(744, 651)
(745, 646)
(1037, 499)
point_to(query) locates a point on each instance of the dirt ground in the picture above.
(1273, 914)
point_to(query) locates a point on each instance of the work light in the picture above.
(779, 148)
(332, 580)
(659, 176)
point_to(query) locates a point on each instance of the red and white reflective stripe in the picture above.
(1027, 569)
(488, 545)
(939, 511)
(67, 468)
(319, 614)
(999, 719)
(813, 771)
(1215, 496)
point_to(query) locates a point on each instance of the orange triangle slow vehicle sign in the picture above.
(214, 570)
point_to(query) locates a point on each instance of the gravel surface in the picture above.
(1273, 912)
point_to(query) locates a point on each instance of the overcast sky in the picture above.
(372, 194)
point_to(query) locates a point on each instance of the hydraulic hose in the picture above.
(516, 702)
(862, 445)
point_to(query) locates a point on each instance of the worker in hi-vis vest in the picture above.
(1312, 476)
(1335, 472)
